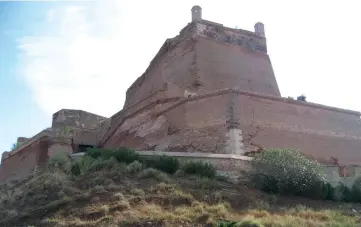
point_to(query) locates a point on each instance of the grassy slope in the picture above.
(152, 198)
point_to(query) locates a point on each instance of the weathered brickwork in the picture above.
(223, 66)
(209, 90)
(24, 162)
(76, 118)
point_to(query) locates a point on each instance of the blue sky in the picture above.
(20, 115)
(84, 55)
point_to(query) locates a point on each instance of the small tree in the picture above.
(286, 171)
(14, 146)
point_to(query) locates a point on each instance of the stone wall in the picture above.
(76, 118)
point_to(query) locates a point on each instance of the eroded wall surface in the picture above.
(192, 126)
(76, 118)
(24, 162)
(221, 65)
(203, 123)
(176, 66)
(326, 134)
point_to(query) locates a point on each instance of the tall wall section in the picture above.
(221, 65)
(24, 162)
(174, 64)
(327, 134)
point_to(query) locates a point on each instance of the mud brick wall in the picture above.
(221, 65)
(193, 125)
(24, 162)
(76, 118)
(326, 134)
(174, 67)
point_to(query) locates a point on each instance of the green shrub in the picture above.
(94, 152)
(75, 169)
(286, 172)
(164, 163)
(126, 155)
(203, 169)
(59, 161)
(356, 190)
(341, 192)
(134, 167)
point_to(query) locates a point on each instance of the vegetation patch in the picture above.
(100, 190)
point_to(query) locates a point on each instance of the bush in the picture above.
(356, 190)
(164, 163)
(75, 169)
(203, 169)
(122, 154)
(126, 155)
(94, 152)
(59, 161)
(155, 174)
(134, 167)
(286, 172)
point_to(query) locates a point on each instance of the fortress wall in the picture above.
(157, 95)
(213, 110)
(320, 133)
(24, 162)
(196, 125)
(173, 67)
(221, 65)
(86, 137)
(133, 130)
(281, 114)
(76, 118)
(112, 128)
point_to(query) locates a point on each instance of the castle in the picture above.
(209, 93)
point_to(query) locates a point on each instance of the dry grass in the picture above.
(122, 212)
(55, 200)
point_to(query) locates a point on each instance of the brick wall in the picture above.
(24, 162)
(221, 65)
(76, 118)
(200, 124)
(324, 134)
(194, 126)
(173, 67)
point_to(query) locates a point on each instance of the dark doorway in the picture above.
(83, 148)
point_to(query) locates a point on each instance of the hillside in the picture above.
(109, 193)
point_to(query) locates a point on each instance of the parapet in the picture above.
(254, 41)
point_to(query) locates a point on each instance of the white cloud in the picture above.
(92, 51)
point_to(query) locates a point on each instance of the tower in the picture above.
(259, 29)
(196, 13)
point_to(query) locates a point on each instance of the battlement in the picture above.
(253, 41)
